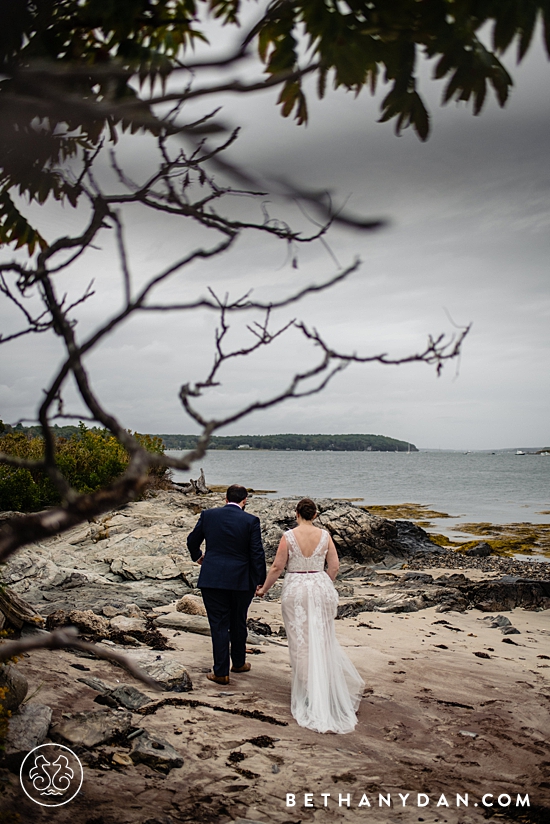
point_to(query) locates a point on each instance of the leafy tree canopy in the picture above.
(69, 70)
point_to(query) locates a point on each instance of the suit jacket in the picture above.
(234, 557)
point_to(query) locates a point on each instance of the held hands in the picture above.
(260, 591)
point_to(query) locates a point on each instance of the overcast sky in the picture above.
(467, 241)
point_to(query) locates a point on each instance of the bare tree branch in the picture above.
(44, 97)
(67, 638)
(21, 463)
(437, 351)
(181, 185)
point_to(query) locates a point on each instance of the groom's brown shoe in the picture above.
(245, 668)
(218, 679)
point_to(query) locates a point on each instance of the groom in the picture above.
(231, 569)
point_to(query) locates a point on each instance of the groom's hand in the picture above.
(200, 560)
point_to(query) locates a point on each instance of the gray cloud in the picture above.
(468, 234)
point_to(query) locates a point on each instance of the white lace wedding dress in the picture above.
(326, 687)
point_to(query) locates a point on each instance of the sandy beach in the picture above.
(435, 719)
(454, 716)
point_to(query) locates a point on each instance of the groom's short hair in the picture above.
(236, 493)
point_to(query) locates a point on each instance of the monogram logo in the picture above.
(51, 775)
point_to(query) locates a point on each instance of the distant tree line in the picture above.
(309, 443)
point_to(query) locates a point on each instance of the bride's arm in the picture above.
(333, 564)
(276, 568)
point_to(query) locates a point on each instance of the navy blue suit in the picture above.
(232, 568)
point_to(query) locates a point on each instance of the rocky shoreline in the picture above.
(127, 583)
(137, 555)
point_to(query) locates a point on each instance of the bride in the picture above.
(326, 687)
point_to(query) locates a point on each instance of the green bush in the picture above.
(89, 459)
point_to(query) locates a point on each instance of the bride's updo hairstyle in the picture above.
(306, 509)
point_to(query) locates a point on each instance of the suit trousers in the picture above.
(227, 610)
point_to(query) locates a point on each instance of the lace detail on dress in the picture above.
(297, 561)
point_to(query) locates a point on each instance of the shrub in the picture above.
(89, 459)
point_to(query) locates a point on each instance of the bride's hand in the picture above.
(260, 591)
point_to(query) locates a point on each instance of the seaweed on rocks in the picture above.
(492, 564)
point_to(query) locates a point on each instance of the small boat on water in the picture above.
(520, 452)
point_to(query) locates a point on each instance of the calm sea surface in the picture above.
(499, 488)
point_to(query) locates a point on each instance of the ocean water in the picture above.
(499, 488)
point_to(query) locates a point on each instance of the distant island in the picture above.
(308, 443)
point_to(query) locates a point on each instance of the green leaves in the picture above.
(352, 42)
(409, 110)
(474, 70)
(104, 45)
(89, 459)
(14, 227)
(292, 97)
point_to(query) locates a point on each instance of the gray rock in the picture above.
(110, 611)
(127, 624)
(510, 631)
(155, 752)
(356, 533)
(134, 611)
(196, 624)
(191, 605)
(27, 728)
(259, 627)
(344, 590)
(182, 621)
(15, 684)
(500, 621)
(127, 610)
(416, 578)
(85, 620)
(137, 557)
(125, 695)
(146, 566)
(170, 674)
(96, 684)
(86, 729)
(129, 697)
(481, 550)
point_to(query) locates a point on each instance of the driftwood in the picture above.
(198, 486)
(15, 611)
